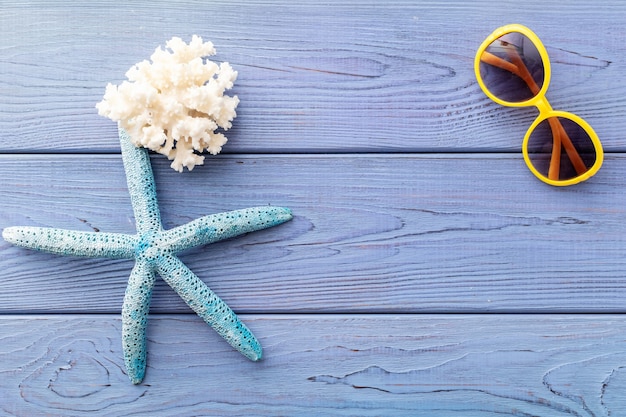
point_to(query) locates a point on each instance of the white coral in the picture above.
(174, 104)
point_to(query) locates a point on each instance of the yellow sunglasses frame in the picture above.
(539, 101)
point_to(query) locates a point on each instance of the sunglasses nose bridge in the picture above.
(542, 104)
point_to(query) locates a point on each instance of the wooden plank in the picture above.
(346, 76)
(372, 233)
(442, 365)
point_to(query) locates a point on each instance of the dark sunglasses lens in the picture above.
(512, 69)
(560, 149)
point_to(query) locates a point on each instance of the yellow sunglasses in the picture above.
(513, 69)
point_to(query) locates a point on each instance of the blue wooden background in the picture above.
(426, 272)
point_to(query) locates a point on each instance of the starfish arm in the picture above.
(216, 227)
(141, 185)
(135, 319)
(208, 306)
(71, 242)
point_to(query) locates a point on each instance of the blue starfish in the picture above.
(154, 251)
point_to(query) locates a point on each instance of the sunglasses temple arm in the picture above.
(516, 67)
(560, 136)
(522, 71)
(558, 132)
(555, 157)
(570, 149)
(491, 59)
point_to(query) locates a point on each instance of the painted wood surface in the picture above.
(346, 75)
(431, 365)
(372, 233)
(414, 211)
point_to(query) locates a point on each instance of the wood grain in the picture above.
(441, 365)
(372, 233)
(344, 76)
